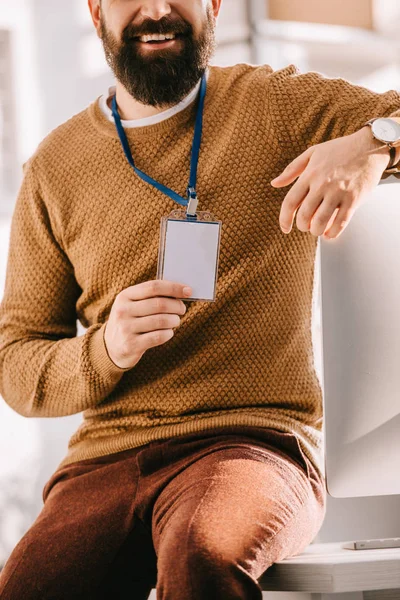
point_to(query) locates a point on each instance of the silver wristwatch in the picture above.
(387, 130)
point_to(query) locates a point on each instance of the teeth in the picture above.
(157, 36)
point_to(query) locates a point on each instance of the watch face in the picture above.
(386, 130)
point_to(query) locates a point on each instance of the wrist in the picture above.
(380, 147)
(376, 147)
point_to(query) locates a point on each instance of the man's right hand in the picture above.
(143, 316)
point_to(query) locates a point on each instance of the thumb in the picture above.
(293, 169)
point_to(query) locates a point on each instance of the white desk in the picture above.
(331, 572)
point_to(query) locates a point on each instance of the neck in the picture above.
(130, 109)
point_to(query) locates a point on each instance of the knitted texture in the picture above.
(85, 227)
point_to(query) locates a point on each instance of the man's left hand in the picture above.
(333, 180)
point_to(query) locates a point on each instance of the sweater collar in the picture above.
(104, 126)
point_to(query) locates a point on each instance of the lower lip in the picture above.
(166, 44)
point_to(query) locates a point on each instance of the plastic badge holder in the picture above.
(189, 252)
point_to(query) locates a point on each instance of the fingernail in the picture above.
(187, 291)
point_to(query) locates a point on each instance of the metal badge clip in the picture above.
(192, 202)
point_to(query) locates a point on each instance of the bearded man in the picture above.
(198, 462)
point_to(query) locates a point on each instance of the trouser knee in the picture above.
(192, 568)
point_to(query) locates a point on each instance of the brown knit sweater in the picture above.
(85, 227)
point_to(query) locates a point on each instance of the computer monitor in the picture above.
(359, 288)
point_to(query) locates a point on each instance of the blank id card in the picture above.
(189, 254)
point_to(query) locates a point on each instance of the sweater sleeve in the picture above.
(310, 108)
(45, 370)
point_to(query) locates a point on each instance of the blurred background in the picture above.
(52, 66)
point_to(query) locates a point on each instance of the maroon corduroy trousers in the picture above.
(200, 517)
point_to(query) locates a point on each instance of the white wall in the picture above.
(16, 16)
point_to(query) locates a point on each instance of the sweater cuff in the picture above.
(100, 358)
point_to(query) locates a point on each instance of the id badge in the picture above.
(189, 252)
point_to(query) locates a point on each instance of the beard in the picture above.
(160, 77)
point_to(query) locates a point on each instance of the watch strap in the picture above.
(392, 151)
(392, 167)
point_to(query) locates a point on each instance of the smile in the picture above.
(159, 43)
(163, 43)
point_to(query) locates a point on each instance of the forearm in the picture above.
(46, 378)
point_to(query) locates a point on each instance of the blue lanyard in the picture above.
(191, 201)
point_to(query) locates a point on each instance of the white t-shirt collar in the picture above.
(165, 114)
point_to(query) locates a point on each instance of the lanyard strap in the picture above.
(191, 200)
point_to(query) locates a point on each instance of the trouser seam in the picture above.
(190, 527)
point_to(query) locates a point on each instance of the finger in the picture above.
(159, 304)
(293, 169)
(307, 210)
(156, 322)
(324, 215)
(156, 287)
(331, 220)
(339, 222)
(291, 202)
